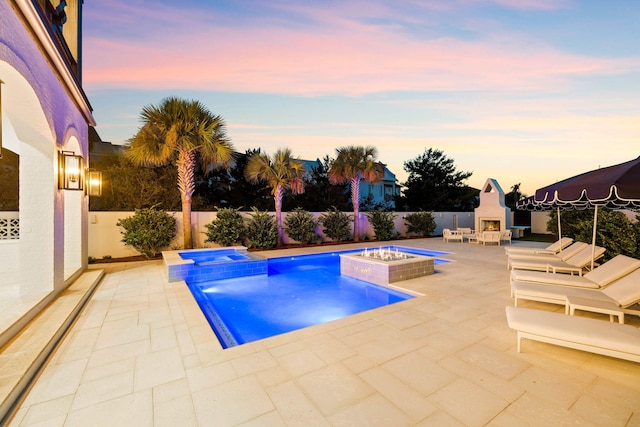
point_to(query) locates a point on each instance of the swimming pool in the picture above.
(296, 292)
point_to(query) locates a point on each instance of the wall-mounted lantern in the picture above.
(94, 183)
(71, 169)
(1, 82)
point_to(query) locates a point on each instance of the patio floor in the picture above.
(141, 353)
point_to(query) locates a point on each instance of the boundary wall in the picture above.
(105, 238)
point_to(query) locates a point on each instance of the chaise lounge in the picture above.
(563, 255)
(617, 267)
(581, 333)
(616, 299)
(552, 249)
(574, 264)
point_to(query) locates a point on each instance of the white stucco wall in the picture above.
(105, 237)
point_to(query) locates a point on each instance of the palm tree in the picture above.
(351, 165)
(281, 172)
(183, 133)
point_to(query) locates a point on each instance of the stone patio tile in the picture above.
(498, 363)
(471, 404)
(496, 384)
(254, 362)
(400, 320)
(131, 410)
(270, 419)
(163, 338)
(273, 376)
(103, 389)
(551, 386)
(203, 377)
(172, 405)
(440, 419)
(123, 331)
(424, 375)
(372, 411)
(410, 401)
(531, 409)
(235, 402)
(294, 407)
(329, 348)
(51, 412)
(602, 412)
(333, 388)
(301, 362)
(60, 380)
(158, 367)
(605, 389)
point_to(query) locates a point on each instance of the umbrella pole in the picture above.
(559, 226)
(593, 240)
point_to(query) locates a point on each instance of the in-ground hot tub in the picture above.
(196, 265)
(384, 266)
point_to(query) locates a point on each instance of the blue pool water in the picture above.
(297, 292)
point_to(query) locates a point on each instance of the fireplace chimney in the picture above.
(492, 213)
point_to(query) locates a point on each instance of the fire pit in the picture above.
(384, 266)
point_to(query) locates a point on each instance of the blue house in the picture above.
(379, 193)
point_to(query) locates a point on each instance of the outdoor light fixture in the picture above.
(94, 183)
(71, 171)
(1, 82)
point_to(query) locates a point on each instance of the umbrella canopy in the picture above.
(616, 187)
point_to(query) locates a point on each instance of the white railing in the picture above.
(9, 225)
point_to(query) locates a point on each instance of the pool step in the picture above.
(22, 358)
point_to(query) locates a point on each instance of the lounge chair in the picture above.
(581, 333)
(575, 264)
(619, 297)
(617, 267)
(563, 255)
(448, 235)
(505, 236)
(489, 237)
(552, 249)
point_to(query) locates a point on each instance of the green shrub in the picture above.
(148, 231)
(227, 229)
(262, 230)
(300, 226)
(382, 223)
(614, 231)
(420, 223)
(336, 224)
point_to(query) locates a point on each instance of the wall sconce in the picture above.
(94, 183)
(71, 171)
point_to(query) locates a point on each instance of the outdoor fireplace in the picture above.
(492, 214)
(490, 225)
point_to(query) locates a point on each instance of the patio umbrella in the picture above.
(616, 187)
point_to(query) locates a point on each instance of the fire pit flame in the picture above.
(384, 254)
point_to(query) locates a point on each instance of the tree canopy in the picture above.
(352, 164)
(434, 184)
(182, 133)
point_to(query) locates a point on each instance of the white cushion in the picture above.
(575, 329)
(613, 269)
(553, 279)
(625, 291)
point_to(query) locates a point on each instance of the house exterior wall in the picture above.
(44, 111)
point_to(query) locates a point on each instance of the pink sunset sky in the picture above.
(523, 91)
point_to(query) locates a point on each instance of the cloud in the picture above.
(198, 49)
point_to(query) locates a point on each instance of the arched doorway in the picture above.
(29, 261)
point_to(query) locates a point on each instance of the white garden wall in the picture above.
(105, 238)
